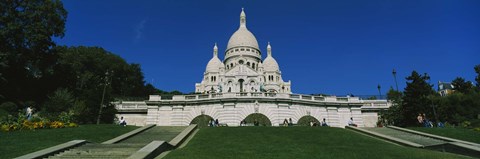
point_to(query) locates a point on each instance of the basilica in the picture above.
(243, 70)
(242, 87)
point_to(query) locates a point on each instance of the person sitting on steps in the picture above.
(351, 123)
(122, 122)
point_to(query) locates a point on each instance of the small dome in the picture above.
(214, 65)
(270, 64)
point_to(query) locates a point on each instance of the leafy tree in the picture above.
(393, 116)
(8, 108)
(84, 70)
(477, 79)
(60, 101)
(26, 54)
(462, 86)
(416, 99)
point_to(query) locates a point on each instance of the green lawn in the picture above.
(17, 143)
(456, 133)
(294, 142)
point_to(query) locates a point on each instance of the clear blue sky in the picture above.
(333, 47)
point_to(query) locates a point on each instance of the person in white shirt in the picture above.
(29, 112)
(122, 121)
(351, 123)
(324, 122)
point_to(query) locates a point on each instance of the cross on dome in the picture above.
(243, 19)
(215, 50)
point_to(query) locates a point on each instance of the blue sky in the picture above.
(333, 47)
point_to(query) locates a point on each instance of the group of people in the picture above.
(244, 123)
(287, 122)
(213, 123)
(423, 121)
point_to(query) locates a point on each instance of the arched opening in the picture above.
(260, 118)
(305, 120)
(201, 120)
(240, 81)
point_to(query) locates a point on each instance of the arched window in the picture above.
(248, 64)
(231, 65)
(240, 62)
(253, 65)
(229, 89)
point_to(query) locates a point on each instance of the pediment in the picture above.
(241, 70)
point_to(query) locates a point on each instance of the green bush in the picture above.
(60, 101)
(9, 107)
(466, 124)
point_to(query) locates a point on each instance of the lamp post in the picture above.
(379, 92)
(103, 98)
(395, 77)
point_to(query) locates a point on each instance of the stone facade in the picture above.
(243, 70)
(243, 84)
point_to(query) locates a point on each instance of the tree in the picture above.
(26, 46)
(462, 86)
(477, 79)
(392, 116)
(416, 99)
(60, 101)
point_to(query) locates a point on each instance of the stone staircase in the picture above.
(422, 140)
(417, 139)
(105, 151)
(162, 133)
(123, 149)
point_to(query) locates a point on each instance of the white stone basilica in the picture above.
(243, 70)
(244, 85)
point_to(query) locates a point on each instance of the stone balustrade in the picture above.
(134, 105)
(258, 95)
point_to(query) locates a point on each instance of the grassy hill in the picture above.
(294, 142)
(17, 143)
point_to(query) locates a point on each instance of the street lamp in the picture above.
(379, 92)
(103, 98)
(395, 77)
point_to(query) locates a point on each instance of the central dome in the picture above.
(242, 37)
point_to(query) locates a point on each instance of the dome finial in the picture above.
(243, 19)
(215, 50)
(269, 49)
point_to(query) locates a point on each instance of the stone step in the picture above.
(422, 140)
(124, 148)
(161, 133)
